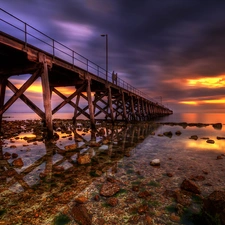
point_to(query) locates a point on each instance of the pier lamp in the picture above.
(106, 48)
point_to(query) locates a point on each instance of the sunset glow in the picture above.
(209, 82)
(35, 88)
(215, 101)
(189, 102)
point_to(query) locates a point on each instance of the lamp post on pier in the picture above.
(106, 48)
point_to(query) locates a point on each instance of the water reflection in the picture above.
(49, 174)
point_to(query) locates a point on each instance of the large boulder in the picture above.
(190, 186)
(80, 214)
(214, 207)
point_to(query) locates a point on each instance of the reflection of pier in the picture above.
(72, 179)
(28, 51)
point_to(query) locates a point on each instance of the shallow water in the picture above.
(45, 188)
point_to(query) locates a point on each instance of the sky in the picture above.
(174, 51)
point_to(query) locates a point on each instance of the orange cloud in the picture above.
(215, 101)
(209, 82)
(189, 102)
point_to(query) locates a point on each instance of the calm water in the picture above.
(45, 188)
(176, 117)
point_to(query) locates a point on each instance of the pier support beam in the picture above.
(132, 108)
(110, 104)
(90, 104)
(46, 96)
(124, 107)
(2, 97)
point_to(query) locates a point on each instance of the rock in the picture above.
(105, 141)
(155, 162)
(219, 157)
(170, 193)
(210, 141)
(205, 172)
(58, 168)
(104, 147)
(81, 200)
(17, 162)
(70, 147)
(141, 137)
(10, 173)
(144, 194)
(142, 209)
(97, 198)
(42, 175)
(148, 220)
(214, 205)
(14, 155)
(169, 174)
(220, 138)
(78, 139)
(94, 144)
(111, 179)
(178, 133)
(174, 218)
(135, 188)
(7, 155)
(112, 201)
(197, 178)
(217, 126)
(100, 221)
(182, 198)
(109, 189)
(168, 134)
(190, 186)
(84, 159)
(81, 215)
(91, 152)
(101, 132)
(194, 137)
(12, 146)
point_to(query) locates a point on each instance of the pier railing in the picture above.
(30, 35)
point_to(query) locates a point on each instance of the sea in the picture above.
(176, 117)
(52, 186)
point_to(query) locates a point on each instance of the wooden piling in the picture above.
(90, 104)
(2, 97)
(46, 96)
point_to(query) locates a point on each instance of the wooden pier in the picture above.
(60, 66)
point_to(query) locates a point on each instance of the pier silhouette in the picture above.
(26, 50)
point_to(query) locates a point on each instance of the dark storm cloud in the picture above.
(149, 42)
